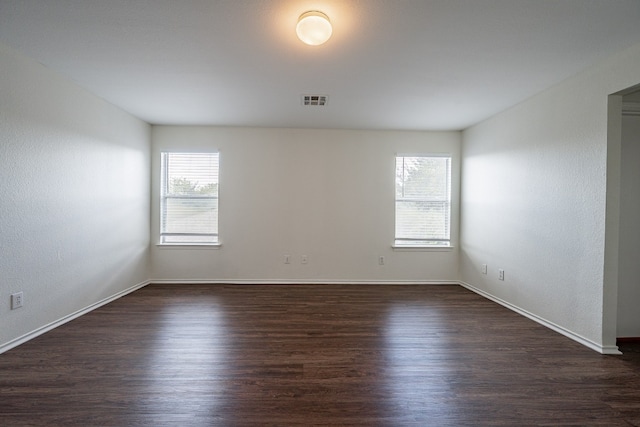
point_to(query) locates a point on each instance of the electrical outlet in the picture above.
(381, 260)
(304, 259)
(287, 259)
(501, 274)
(484, 268)
(17, 300)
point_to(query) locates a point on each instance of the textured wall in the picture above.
(327, 194)
(534, 199)
(74, 187)
(629, 254)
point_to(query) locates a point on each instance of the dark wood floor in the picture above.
(200, 355)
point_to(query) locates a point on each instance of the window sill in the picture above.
(422, 248)
(189, 245)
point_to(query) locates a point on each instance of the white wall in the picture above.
(629, 253)
(534, 198)
(327, 194)
(74, 198)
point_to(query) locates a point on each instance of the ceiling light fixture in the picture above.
(314, 28)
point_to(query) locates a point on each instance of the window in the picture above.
(423, 201)
(189, 198)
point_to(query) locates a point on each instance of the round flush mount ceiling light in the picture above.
(314, 28)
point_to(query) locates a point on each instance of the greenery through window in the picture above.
(189, 198)
(423, 201)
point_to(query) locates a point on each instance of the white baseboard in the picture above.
(301, 282)
(557, 328)
(46, 328)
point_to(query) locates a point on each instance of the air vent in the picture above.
(319, 100)
(631, 108)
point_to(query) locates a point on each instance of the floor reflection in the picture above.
(185, 373)
(421, 371)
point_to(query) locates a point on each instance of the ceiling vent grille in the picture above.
(319, 100)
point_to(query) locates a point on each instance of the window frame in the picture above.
(429, 243)
(165, 196)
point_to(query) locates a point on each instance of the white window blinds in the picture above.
(423, 201)
(189, 198)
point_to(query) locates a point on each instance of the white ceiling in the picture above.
(390, 64)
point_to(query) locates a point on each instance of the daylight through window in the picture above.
(189, 198)
(423, 201)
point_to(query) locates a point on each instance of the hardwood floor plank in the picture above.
(279, 355)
